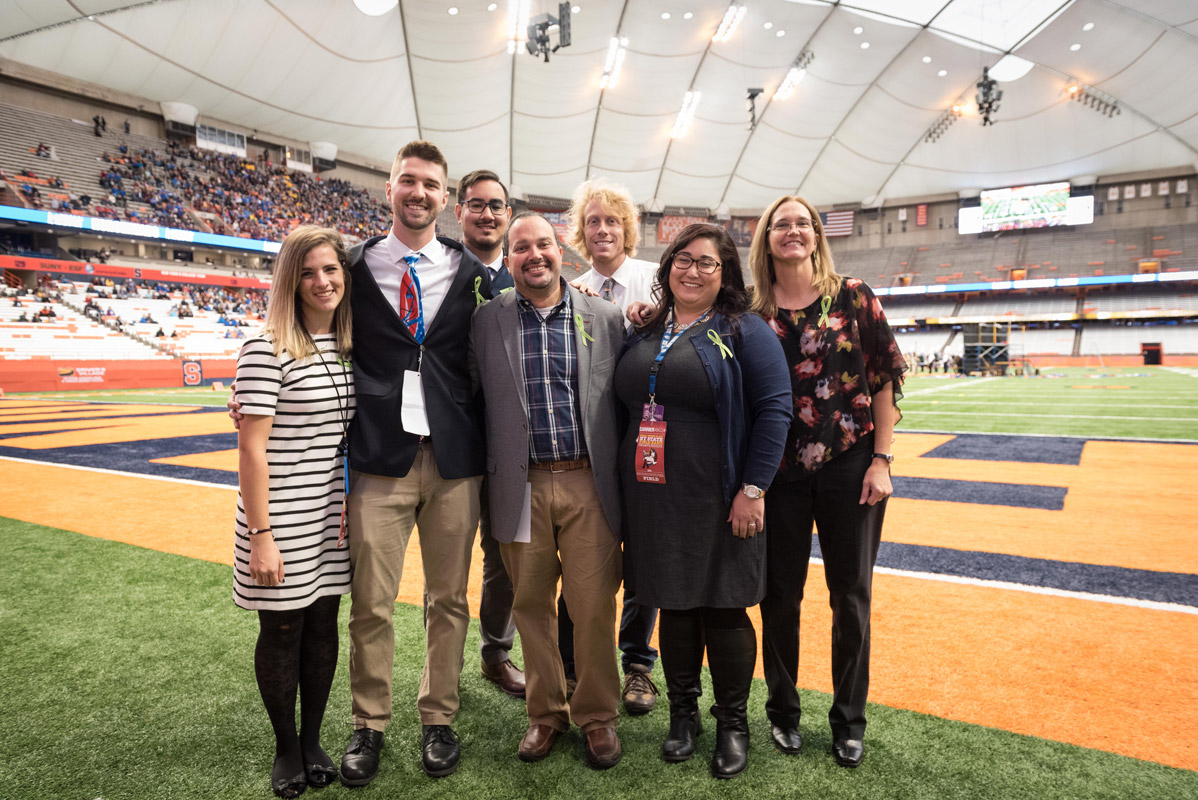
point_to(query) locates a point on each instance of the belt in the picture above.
(561, 466)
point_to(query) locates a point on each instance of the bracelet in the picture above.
(887, 457)
(254, 531)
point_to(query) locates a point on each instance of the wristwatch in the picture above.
(752, 492)
(887, 457)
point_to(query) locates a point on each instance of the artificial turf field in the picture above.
(1035, 626)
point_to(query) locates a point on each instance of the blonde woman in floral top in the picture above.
(846, 373)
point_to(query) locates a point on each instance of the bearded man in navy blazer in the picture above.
(545, 357)
(413, 297)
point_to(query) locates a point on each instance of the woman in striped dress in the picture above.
(295, 386)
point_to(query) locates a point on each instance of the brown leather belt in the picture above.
(560, 466)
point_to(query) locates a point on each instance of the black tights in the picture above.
(297, 649)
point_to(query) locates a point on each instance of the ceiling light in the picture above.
(927, 59)
(865, 45)
(688, 15)
(616, 51)
(493, 6)
(732, 18)
(375, 8)
(575, 9)
(792, 79)
(665, 15)
(768, 25)
(517, 24)
(858, 30)
(1089, 26)
(686, 115)
(942, 73)
(1075, 47)
(453, 11)
(780, 34)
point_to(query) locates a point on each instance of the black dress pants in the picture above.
(849, 535)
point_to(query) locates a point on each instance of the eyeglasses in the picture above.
(706, 265)
(477, 206)
(785, 226)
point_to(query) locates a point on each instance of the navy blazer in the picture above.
(753, 398)
(502, 280)
(384, 348)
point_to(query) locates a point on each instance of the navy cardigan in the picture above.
(752, 398)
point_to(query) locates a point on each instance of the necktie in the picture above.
(409, 299)
(605, 291)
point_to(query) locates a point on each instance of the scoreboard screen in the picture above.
(1043, 205)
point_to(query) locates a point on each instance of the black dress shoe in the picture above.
(439, 751)
(787, 739)
(685, 728)
(360, 763)
(848, 752)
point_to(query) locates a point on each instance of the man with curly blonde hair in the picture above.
(604, 226)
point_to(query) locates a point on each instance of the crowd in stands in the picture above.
(255, 200)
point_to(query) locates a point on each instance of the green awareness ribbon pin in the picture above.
(725, 351)
(478, 298)
(825, 305)
(586, 337)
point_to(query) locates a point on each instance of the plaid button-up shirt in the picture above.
(550, 361)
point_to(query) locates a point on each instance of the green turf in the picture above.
(199, 396)
(1135, 402)
(128, 673)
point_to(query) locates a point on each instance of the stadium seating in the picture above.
(70, 335)
(1107, 339)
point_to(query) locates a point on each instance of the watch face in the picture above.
(752, 492)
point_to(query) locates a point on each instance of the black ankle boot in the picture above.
(731, 654)
(680, 640)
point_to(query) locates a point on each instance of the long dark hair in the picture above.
(732, 300)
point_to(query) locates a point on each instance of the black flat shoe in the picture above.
(289, 787)
(319, 775)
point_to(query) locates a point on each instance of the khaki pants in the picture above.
(570, 539)
(381, 514)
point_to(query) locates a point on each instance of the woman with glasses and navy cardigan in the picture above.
(706, 388)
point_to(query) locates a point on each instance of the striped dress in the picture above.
(311, 401)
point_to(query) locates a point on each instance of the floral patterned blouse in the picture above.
(837, 362)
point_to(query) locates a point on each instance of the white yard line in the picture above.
(1153, 605)
(1038, 415)
(122, 473)
(966, 401)
(1187, 371)
(955, 383)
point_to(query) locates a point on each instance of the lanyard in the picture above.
(342, 411)
(668, 338)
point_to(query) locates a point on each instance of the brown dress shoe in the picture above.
(640, 694)
(537, 742)
(507, 676)
(603, 748)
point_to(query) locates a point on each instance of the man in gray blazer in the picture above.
(545, 355)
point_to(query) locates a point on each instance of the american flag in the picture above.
(837, 223)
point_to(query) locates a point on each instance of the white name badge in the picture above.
(524, 528)
(411, 413)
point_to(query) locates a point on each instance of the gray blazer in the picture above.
(495, 365)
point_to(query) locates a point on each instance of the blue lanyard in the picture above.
(667, 341)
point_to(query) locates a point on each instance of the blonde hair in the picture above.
(761, 262)
(614, 200)
(285, 310)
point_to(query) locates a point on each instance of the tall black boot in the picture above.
(680, 640)
(731, 654)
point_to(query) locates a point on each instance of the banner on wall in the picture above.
(1112, 194)
(741, 229)
(669, 227)
(559, 220)
(921, 214)
(85, 270)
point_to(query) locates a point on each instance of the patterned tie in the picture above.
(605, 291)
(409, 298)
